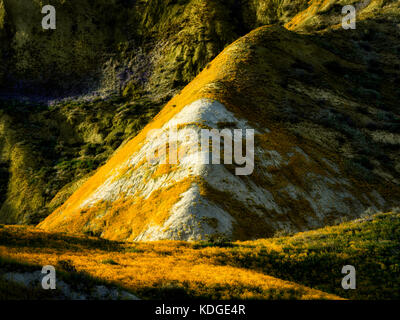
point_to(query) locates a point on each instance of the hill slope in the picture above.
(277, 268)
(342, 94)
(116, 63)
(300, 180)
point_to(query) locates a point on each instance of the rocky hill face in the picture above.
(102, 45)
(322, 101)
(117, 63)
(315, 157)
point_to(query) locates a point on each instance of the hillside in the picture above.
(321, 92)
(277, 268)
(316, 159)
(71, 96)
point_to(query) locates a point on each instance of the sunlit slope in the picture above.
(128, 58)
(251, 269)
(314, 258)
(325, 14)
(345, 100)
(300, 180)
(162, 270)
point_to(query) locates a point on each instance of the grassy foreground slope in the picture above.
(160, 270)
(315, 258)
(276, 268)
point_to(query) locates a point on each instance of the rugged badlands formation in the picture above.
(323, 102)
(300, 180)
(117, 62)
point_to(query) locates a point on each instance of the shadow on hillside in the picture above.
(15, 239)
(80, 282)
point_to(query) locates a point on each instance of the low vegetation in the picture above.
(275, 268)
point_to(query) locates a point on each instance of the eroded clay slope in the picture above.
(299, 182)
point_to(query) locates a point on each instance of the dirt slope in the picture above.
(300, 180)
